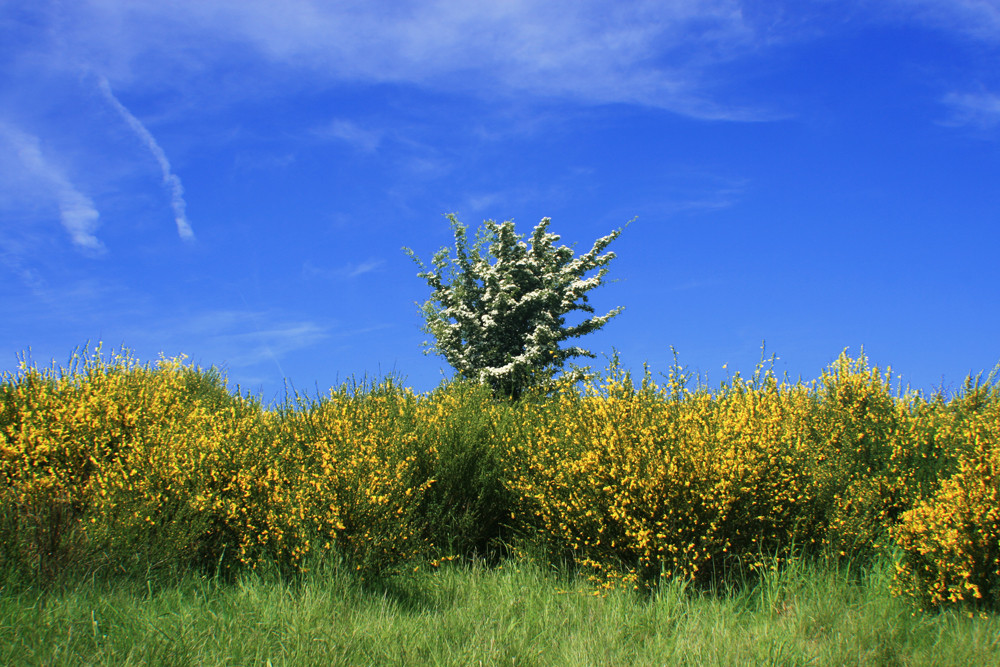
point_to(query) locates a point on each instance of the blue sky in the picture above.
(234, 179)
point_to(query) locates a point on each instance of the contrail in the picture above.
(77, 212)
(169, 178)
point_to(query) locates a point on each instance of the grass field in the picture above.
(517, 613)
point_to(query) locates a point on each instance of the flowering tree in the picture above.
(497, 309)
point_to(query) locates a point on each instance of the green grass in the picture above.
(519, 613)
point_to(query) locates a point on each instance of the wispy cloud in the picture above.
(484, 201)
(976, 18)
(980, 109)
(170, 179)
(249, 348)
(646, 52)
(364, 140)
(665, 54)
(29, 276)
(353, 271)
(693, 190)
(245, 338)
(349, 270)
(710, 201)
(77, 211)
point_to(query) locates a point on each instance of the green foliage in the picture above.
(498, 309)
(466, 511)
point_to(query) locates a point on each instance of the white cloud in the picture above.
(976, 18)
(349, 270)
(698, 191)
(30, 277)
(980, 109)
(484, 201)
(353, 271)
(364, 140)
(77, 212)
(170, 179)
(651, 52)
(252, 347)
(246, 338)
(661, 53)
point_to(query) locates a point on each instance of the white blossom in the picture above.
(497, 308)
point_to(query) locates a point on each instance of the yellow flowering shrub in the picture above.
(182, 493)
(637, 483)
(950, 542)
(763, 478)
(124, 467)
(663, 481)
(113, 464)
(861, 459)
(68, 440)
(357, 476)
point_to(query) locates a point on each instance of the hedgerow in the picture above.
(115, 466)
